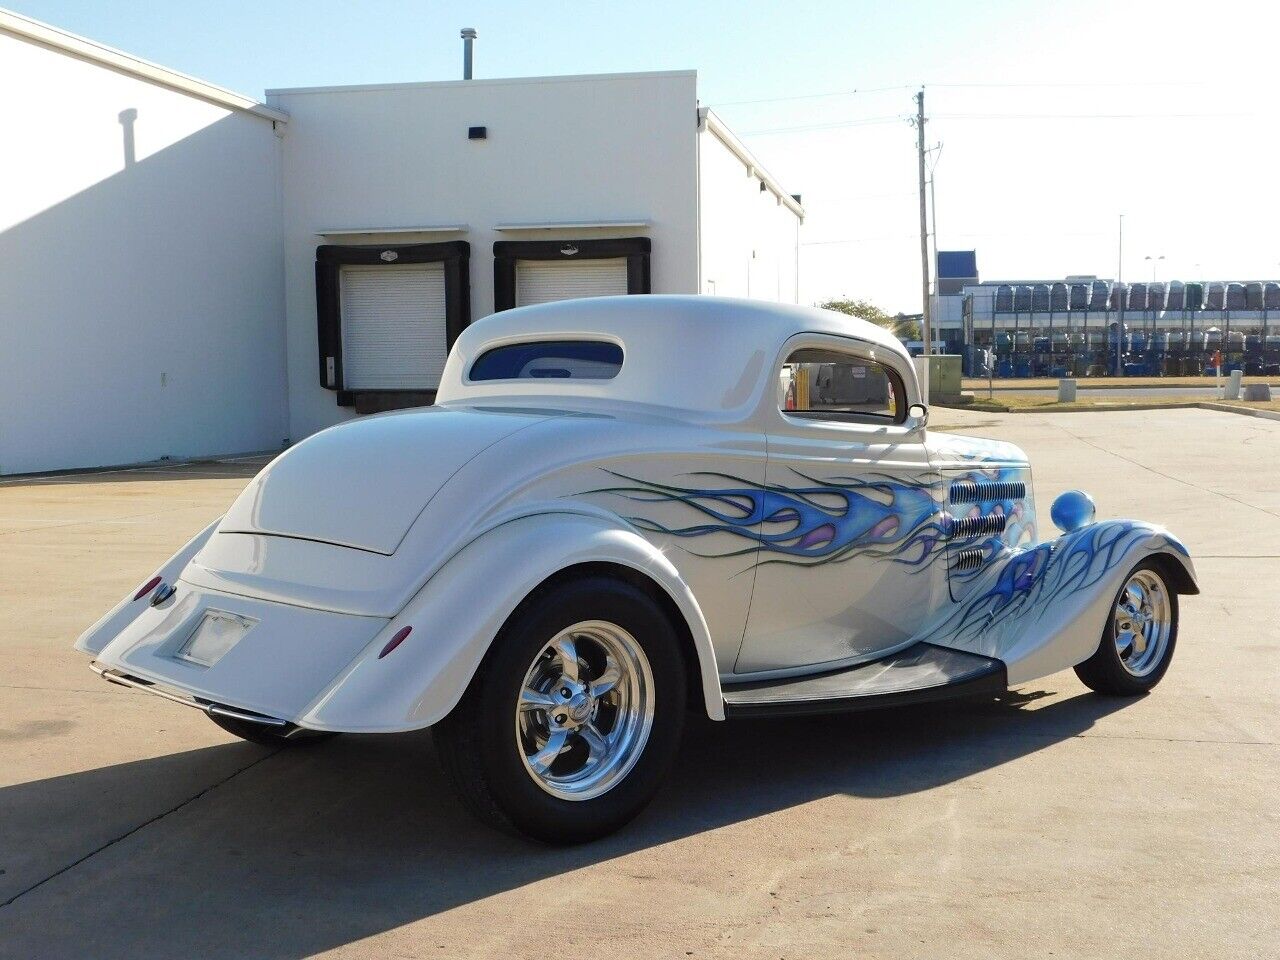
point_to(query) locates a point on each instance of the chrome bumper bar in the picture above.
(137, 683)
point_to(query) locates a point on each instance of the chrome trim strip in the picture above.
(124, 680)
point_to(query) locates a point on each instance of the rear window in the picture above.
(549, 360)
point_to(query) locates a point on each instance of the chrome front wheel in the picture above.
(585, 710)
(1143, 620)
(1140, 634)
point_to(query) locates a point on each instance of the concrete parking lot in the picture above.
(1052, 822)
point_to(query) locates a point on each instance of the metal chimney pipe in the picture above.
(468, 39)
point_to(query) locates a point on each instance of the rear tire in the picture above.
(1138, 641)
(267, 736)
(574, 717)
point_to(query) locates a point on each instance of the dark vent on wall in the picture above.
(980, 491)
(977, 526)
(967, 560)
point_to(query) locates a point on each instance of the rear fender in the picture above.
(127, 610)
(462, 607)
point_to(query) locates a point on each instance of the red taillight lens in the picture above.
(395, 641)
(147, 587)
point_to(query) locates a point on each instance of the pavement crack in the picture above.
(132, 830)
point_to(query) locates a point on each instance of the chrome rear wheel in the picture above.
(575, 716)
(585, 710)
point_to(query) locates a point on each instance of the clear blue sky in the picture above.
(1055, 117)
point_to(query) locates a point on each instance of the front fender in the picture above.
(1042, 609)
(459, 611)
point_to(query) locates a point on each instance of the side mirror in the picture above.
(917, 415)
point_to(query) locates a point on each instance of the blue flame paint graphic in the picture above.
(1035, 580)
(826, 521)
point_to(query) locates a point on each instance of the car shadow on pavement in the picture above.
(309, 849)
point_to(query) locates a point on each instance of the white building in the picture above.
(187, 272)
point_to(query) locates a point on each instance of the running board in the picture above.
(918, 674)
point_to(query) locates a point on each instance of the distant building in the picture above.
(1084, 325)
(956, 269)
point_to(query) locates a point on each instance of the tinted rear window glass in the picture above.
(550, 360)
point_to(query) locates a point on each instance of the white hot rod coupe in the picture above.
(619, 508)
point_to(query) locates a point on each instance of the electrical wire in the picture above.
(812, 96)
(859, 122)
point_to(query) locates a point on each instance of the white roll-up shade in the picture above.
(393, 327)
(541, 281)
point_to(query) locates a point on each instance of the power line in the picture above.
(1089, 116)
(1077, 84)
(831, 243)
(859, 122)
(1084, 85)
(812, 96)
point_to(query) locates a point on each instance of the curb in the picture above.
(1243, 411)
(1093, 408)
(1119, 408)
(1114, 383)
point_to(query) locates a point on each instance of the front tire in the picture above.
(573, 720)
(1138, 640)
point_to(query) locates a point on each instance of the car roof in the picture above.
(694, 352)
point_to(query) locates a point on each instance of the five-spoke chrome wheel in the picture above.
(586, 708)
(1143, 618)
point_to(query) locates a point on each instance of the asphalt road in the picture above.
(1052, 822)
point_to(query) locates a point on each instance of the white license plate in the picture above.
(215, 634)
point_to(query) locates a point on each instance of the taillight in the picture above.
(395, 641)
(147, 587)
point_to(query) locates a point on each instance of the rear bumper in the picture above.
(283, 727)
(288, 657)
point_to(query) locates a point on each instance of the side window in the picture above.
(830, 385)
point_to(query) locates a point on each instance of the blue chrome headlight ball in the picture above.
(1072, 510)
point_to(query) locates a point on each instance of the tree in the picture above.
(901, 326)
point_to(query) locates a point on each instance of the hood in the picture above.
(950, 451)
(362, 484)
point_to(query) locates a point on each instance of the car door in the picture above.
(852, 554)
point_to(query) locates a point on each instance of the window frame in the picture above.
(455, 255)
(636, 250)
(863, 352)
(527, 341)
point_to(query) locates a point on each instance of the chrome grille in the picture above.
(967, 560)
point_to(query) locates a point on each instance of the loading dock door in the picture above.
(393, 326)
(541, 281)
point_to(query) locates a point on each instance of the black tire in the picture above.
(1104, 672)
(476, 743)
(267, 736)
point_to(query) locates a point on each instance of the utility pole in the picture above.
(926, 328)
(936, 150)
(1120, 284)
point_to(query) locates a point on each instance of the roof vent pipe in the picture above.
(468, 39)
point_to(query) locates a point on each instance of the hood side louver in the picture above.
(965, 527)
(983, 491)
